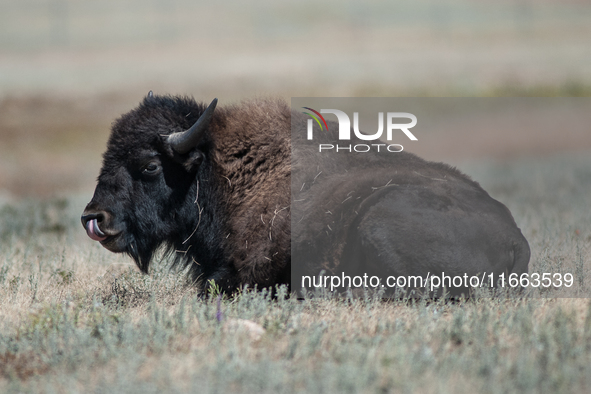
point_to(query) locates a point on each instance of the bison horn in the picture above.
(184, 141)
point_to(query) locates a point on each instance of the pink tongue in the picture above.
(93, 230)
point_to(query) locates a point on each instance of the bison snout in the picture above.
(96, 224)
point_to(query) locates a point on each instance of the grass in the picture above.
(76, 318)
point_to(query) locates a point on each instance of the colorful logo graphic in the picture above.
(315, 117)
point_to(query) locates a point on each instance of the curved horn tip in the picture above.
(184, 141)
(150, 94)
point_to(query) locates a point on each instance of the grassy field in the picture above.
(76, 318)
(292, 47)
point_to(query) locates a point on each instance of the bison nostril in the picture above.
(90, 222)
(99, 216)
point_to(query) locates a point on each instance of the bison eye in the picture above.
(151, 168)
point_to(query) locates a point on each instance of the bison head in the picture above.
(147, 189)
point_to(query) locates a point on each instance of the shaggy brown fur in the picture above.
(251, 158)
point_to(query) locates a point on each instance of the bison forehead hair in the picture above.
(218, 201)
(144, 126)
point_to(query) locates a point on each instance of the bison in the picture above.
(212, 187)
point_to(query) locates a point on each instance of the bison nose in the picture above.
(92, 222)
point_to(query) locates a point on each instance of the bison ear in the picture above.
(194, 160)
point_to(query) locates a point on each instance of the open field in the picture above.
(292, 47)
(76, 318)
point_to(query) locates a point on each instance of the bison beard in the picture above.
(212, 187)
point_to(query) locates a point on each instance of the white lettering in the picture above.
(399, 150)
(310, 128)
(404, 126)
(368, 137)
(357, 148)
(344, 123)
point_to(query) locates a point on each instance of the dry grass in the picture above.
(76, 318)
(50, 144)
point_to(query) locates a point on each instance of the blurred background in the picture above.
(68, 68)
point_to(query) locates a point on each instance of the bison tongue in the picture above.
(93, 231)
